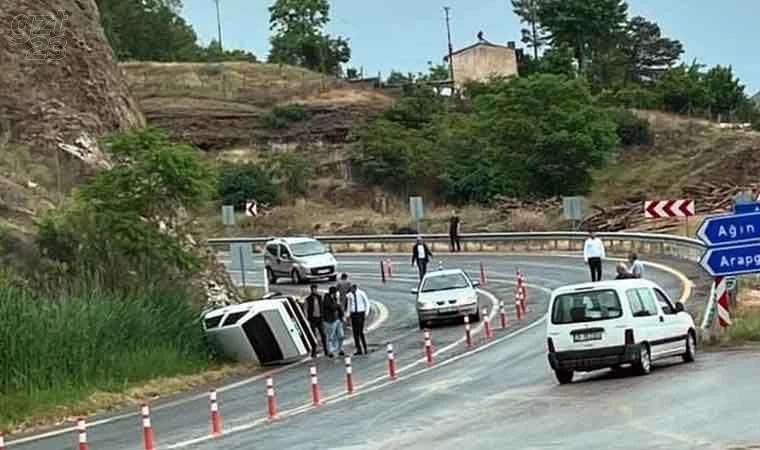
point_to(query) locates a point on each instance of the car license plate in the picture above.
(324, 271)
(448, 309)
(585, 337)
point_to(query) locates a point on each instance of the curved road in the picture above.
(501, 394)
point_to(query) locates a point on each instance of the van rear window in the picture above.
(586, 306)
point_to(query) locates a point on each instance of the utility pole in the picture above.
(219, 25)
(451, 49)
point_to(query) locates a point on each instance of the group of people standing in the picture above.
(593, 253)
(328, 313)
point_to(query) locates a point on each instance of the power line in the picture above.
(451, 48)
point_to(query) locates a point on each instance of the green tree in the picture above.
(585, 26)
(533, 36)
(648, 54)
(725, 91)
(293, 171)
(299, 38)
(396, 77)
(683, 91)
(417, 108)
(114, 225)
(241, 182)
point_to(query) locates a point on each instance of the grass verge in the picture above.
(82, 348)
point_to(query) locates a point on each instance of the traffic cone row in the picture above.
(503, 315)
(216, 418)
(391, 363)
(467, 331)
(428, 348)
(81, 431)
(349, 376)
(523, 290)
(315, 397)
(271, 399)
(148, 439)
(487, 325)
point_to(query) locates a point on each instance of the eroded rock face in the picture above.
(60, 87)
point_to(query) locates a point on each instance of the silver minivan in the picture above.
(300, 259)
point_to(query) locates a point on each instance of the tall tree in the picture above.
(299, 37)
(725, 91)
(534, 36)
(648, 54)
(683, 90)
(585, 26)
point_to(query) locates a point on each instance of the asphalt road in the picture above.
(501, 394)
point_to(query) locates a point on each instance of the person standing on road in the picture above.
(344, 287)
(455, 227)
(358, 306)
(333, 320)
(421, 255)
(635, 266)
(314, 307)
(593, 253)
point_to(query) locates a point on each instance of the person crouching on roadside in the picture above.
(622, 273)
(635, 266)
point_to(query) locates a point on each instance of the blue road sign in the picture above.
(734, 260)
(747, 208)
(730, 229)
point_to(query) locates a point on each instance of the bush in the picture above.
(631, 129)
(283, 116)
(636, 97)
(60, 347)
(241, 182)
(293, 172)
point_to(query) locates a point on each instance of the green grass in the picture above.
(58, 349)
(745, 327)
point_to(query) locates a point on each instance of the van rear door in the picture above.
(587, 319)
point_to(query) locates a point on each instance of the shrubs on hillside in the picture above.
(631, 129)
(241, 182)
(535, 136)
(282, 117)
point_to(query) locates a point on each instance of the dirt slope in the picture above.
(60, 90)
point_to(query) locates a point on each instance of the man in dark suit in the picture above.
(315, 314)
(421, 255)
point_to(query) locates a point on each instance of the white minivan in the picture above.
(605, 324)
(300, 259)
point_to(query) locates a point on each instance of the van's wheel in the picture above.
(644, 364)
(271, 276)
(295, 277)
(564, 376)
(691, 348)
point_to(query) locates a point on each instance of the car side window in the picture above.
(647, 299)
(635, 303)
(272, 249)
(284, 253)
(664, 302)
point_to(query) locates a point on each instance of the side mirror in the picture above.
(415, 291)
(679, 307)
(476, 284)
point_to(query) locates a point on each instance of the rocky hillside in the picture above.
(223, 108)
(60, 90)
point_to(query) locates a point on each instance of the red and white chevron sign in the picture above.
(668, 208)
(723, 303)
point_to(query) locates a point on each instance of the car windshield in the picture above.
(444, 282)
(586, 306)
(307, 248)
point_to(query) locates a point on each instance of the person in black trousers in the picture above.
(454, 229)
(358, 307)
(421, 255)
(315, 314)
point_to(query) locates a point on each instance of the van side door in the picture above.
(645, 318)
(674, 327)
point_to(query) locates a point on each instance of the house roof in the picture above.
(481, 43)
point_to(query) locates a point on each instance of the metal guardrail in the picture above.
(676, 246)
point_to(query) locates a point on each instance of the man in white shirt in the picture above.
(593, 253)
(358, 306)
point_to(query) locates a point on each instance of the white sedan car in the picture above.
(446, 294)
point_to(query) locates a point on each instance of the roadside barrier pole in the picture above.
(349, 376)
(523, 290)
(390, 268)
(391, 363)
(502, 315)
(467, 332)
(81, 430)
(382, 271)
(428, 348)
(148, 439)
(271, 399)
(216, 418)
(483, 276)
(487, 324)
(315, 398)
(440, 265)
(518, 309)
(2, 441)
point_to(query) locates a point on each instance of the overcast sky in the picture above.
(406, 34)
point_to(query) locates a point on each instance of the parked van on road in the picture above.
(614, 323)
(300, 259)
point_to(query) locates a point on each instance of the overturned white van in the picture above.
(269, 331)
